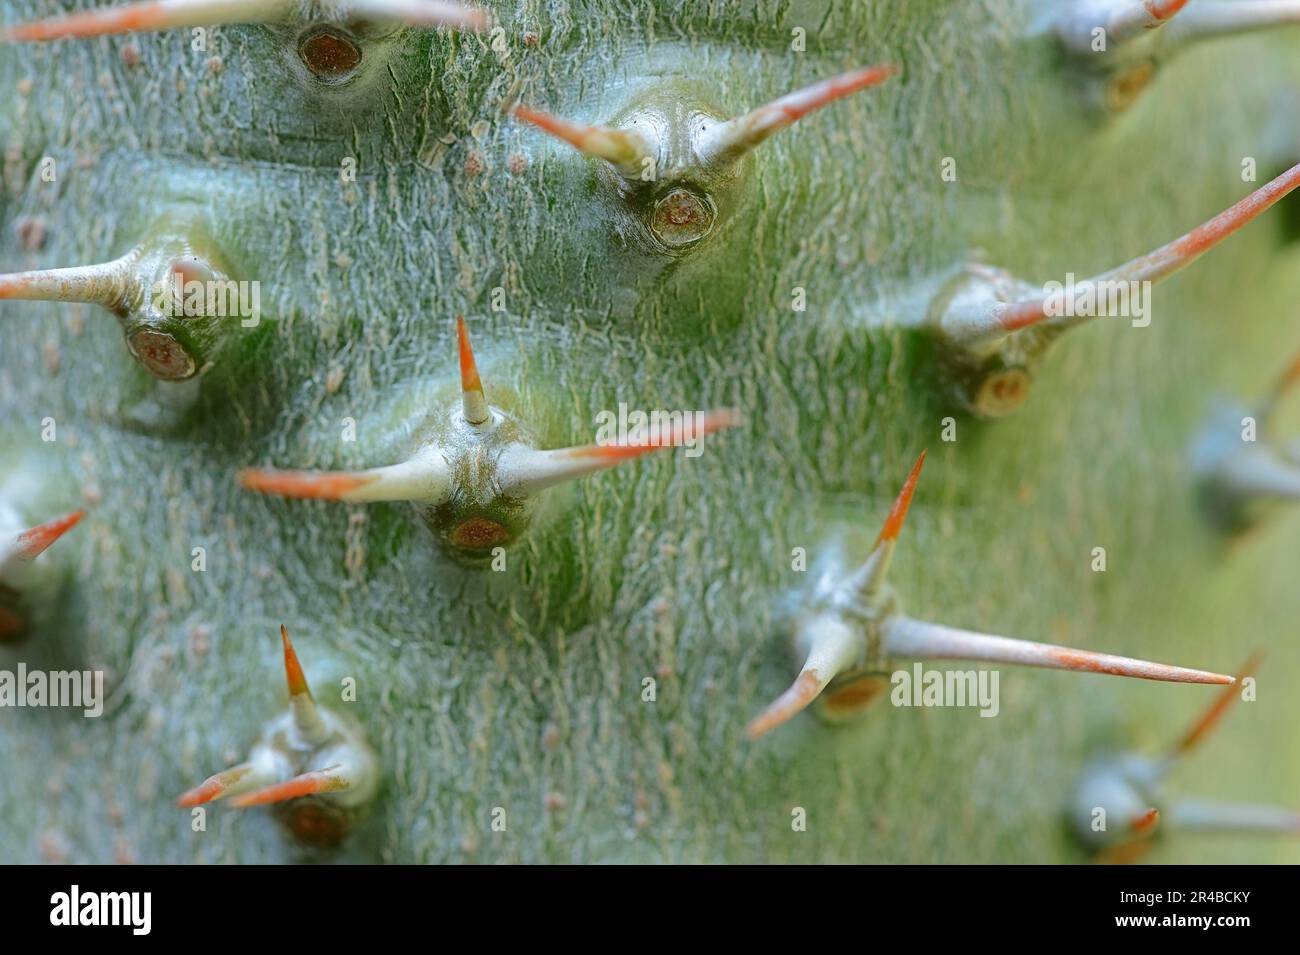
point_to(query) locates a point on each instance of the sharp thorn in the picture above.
(529, 471)
(424, 479)
(984, 320)
(292, 668)
(308, 784)
(807, 686)
(430, 13)
(104, 284)
(1163, 9)
(898, 513)
(325, 485)
(228, 782)
(1262, 472)
(473, 402)
(1206, 814)
(1186, 249)
(167, 14)
(306, 718)
(833, 647)
(623, 150)
(873, 572)
(918, 639)
(1205, 19)
(31, 544)
(151, 15)
(731, 140)
(1122, 20)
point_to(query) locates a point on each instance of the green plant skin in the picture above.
(484, 689)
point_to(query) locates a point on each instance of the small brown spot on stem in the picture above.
(31, 233)
(329, 55)
(480, 533)
(1002, 392)
(681, 218)
(11, 626)
(854, 696)
(1124, 87)
(162, 354)
(315, 822)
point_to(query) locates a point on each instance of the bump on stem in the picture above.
(835, 645)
